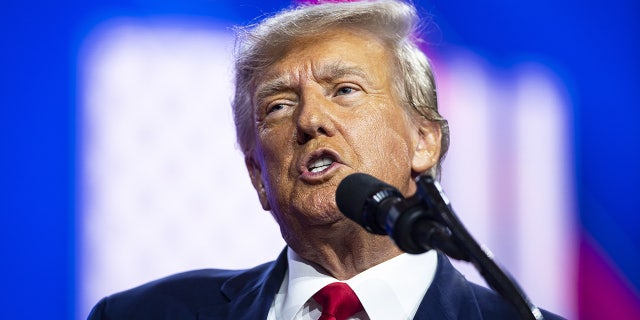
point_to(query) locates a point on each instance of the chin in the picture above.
(324, 218)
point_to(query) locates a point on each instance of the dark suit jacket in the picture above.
(248, 294)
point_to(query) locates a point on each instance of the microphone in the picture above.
(381, 209)
(422, 222)
(367, 200)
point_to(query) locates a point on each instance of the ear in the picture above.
(255, 172)
(427, 146)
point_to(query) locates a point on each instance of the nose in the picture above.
(315, 117)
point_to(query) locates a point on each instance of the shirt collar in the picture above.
(390, 290)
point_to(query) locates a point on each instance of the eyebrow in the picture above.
(326, 73)
(271, 87)
(337, 70)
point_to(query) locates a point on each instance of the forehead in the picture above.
(333, 53)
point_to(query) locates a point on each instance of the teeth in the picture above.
(320, 164)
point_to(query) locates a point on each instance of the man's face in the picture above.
(325, 110)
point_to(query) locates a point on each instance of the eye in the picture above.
(275, 107)
(344, 90)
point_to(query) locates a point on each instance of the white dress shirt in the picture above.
(390, 290)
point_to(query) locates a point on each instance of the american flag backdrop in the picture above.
(133, 173)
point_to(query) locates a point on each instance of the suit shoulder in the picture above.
(494, 306)
(177, 296)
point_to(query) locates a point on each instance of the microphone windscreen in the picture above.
(353, 192)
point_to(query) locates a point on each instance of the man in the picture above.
(324, 91)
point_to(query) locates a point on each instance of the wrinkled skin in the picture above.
(332, 96)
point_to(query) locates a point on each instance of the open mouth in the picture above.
(320, 164)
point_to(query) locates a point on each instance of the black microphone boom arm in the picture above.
(431, 193)
(422, 222)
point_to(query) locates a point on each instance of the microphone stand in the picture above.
(443, 230)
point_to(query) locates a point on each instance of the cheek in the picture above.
(274, 145)
(386, 150)
(276, 157)
(393, 150)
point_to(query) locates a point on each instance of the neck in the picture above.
(343, 249)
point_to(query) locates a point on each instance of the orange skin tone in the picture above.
(331, 95)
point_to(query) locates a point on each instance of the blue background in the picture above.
(594, 46)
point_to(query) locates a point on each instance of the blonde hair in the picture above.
(394, 22)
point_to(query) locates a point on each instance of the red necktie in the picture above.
(338, 301)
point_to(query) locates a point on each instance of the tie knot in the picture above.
(338, 301)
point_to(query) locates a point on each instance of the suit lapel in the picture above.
(250, 293)
(449, 297)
